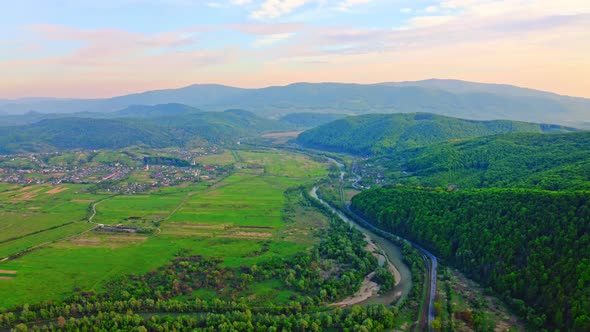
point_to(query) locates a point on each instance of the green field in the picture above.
(31, 215)
(284, 163)
(224, 158)
(240, 219)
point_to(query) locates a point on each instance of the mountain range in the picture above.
(454, 98)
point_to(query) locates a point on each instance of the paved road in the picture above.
(429, 259)
(431, 266)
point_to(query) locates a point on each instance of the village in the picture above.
(131, 175)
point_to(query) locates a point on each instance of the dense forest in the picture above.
(177, 129)
(377, 134)
(530, 246)
(552, 162)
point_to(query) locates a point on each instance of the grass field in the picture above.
(283, 163)
(224, 158)
(30, 215)
(244, 219)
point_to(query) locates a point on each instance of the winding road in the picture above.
(430, 261)
(431, 265)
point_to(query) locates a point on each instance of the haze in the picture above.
(113, 47)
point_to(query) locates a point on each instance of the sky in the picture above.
(90, 48)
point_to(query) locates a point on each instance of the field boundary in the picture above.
(36, 232)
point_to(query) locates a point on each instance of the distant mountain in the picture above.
(194, 95)
(177, 129)
(310, 120)
(458, 86)
(446, 97)
(146, 111)
(384, 133)
(139, 111)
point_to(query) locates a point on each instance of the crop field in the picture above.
(31, 215)
(144, 207)
(241, 219)
(284, 163)
(224, 158)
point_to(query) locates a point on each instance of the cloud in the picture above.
(240, 2)
(348, 4)
(272, 39)
(431, 9)
(428, 21)
(253, 28)
(271, 9)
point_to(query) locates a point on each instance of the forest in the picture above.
(379, 134)
(526, 245)
(525, 160)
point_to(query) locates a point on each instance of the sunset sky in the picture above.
(90, 48)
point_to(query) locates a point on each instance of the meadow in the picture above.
(242, 219)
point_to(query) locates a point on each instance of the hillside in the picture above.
(156, 131)
(384, 133)
(531, 247)
(148, 111)
(310, 120)
(445, 97)
(544, 161)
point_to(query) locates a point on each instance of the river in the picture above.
(393, 253)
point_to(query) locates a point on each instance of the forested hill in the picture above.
(527, 160)
(157, 131)
(531, 247)
(376, 134)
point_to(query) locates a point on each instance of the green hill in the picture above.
(152, 131)
(545, 161)
(531, 247)
(385, 133)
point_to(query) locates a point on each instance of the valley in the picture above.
(263, 225)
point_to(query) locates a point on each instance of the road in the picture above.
(430, 260)
(431, 266)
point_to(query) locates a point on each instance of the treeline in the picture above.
(531, 247)
(217, 316)
(378, 134)
(168, 161)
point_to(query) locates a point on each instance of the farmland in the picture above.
(239, 219)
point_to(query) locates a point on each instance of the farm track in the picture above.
(37, 246)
